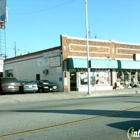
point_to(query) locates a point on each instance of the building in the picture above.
(111, 63)
(45, 64)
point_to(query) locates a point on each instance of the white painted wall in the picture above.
(26, 69)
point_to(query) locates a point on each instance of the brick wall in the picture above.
(98, 48)
(76, 47)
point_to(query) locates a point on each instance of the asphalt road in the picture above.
(94, 118)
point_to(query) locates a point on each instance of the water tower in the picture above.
(3, 20)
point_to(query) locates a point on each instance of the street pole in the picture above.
(15, 49)
(87, 46)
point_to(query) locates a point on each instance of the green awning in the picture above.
(104, 63)
(76, 63)
(128, 64)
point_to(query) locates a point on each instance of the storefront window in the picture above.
(103, 77)
(120, 75)
(100, 78)
(138, 76)
(83, 78)
(125, 77)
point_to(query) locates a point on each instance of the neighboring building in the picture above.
(66, 65)
(45, 64)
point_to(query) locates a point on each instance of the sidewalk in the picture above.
(106, 92)
(18, 98)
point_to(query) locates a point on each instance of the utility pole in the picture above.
(15, 49)
(87, 46)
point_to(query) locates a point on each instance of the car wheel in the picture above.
(1, 92)
(40, 90)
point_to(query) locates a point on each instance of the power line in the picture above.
(32, 12)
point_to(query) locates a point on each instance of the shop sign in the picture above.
(1, 65)
(43, 62)
(55, 61)
(136, 56)
(51, 53)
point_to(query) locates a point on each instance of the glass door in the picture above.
(73, 84)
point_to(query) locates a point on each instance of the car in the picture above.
(45, 85)
(9, 85)
(27, 86)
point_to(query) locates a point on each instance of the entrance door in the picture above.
(73, 84)
(37, 76)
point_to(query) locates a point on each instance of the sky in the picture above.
(37, 24)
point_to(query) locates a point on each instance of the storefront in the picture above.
(100, 79)
(100, 73)
(104, 74)
(128, 73)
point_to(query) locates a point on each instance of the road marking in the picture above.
(68, 123)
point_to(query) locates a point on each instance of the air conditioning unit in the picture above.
(45, 71)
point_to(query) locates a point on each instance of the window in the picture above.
(99, 77)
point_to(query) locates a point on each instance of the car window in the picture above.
(46, 82)
(40, 82)
(9, 80)
(34, 82)
(27, 82)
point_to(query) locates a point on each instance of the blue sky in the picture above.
(37, 24)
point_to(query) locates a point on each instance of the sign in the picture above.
(136, 57)
(1, 65)
(60, 79)
(44, 62)
(3, 11)
(55, 61)
(59, 69)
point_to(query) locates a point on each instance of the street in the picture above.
(94, 118)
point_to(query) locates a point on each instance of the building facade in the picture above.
(111, 63)
(46, 64)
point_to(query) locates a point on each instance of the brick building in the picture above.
(111, 62)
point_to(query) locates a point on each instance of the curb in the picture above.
(61, 96)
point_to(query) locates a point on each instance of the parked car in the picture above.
(8, 85)
(28, 86)
(45, 85)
